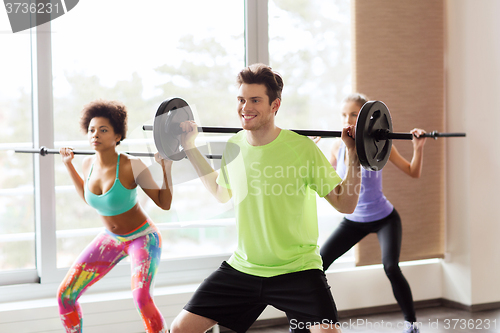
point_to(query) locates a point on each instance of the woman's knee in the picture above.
(64, 299)
(392, 269)
(142, 295)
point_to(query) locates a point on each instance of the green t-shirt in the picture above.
(274, 192)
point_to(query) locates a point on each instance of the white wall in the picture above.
(473, 90)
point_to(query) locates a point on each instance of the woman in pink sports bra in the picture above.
(110, 186)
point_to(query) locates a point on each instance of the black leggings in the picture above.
(389, 233)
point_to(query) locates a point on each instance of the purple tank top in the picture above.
(372, 204)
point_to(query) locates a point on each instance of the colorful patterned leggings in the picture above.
(99, 257)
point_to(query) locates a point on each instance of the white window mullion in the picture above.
(256, 32)
(43, 135)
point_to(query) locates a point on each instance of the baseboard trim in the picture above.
(387, 308)
(485, 307)
(430, 303)
(470, 308)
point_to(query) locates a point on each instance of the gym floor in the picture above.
(432, 320)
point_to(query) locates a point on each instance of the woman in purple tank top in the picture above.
(374, 213)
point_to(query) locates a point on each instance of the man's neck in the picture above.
(262, 137)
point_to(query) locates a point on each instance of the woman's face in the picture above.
(349, 113)
(101, 134)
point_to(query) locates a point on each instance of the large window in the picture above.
(140, 62)
(17, 238)
(142, 55)
(309, 43)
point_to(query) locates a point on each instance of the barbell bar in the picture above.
(43, 151)
(373, 137)
(325, 134)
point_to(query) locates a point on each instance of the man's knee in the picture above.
(176, 327)
(187, 322)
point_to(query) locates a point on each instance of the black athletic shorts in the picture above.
(235, 299)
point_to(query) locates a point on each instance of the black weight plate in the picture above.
(166, 130)
(373, 153)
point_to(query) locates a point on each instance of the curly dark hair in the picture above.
(114, 111)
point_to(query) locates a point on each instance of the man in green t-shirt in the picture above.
(273, 176)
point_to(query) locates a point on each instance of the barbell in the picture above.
(373, 132)
(45, 151)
